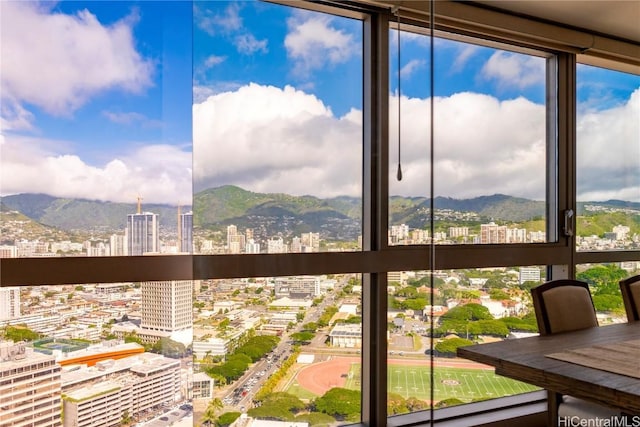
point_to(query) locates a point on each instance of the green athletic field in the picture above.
(459, 383)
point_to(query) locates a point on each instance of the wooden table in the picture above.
(525, 360)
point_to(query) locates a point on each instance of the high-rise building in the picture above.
(9, 303)
(142, 233)
(7, 251)
(493, 233)
(235, 240)
(252, 247)
(30, 387)
(117, 245)
(529, 274)
(276, 245)
(167, 306)
(185, 232)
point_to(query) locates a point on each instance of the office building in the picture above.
(9, 303)
(167, 306)
(30, 387)
(114, 390)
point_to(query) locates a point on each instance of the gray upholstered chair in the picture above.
(562, 306)
(630, 289)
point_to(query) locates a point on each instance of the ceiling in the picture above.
(618, 18)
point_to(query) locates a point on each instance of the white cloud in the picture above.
(465, 52)
(411, 67)
(132, 118)
(226, 22)
(608, 154)
(284, 140)
(269, 139)
(60, 74)
(214, 60)
(160, 173)
(482, 146)
(14, 116)
(514, 70)
(247, 44)
(313, 43)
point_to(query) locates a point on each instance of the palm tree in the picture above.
(209, 416)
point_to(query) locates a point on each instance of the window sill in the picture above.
(478, 413)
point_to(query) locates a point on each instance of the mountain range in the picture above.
(270, 214)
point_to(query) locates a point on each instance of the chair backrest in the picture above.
(630, 289)
(563, 305)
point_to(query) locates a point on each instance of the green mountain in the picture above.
(272, 214)
(82, 214)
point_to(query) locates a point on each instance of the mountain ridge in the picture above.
(272, 214)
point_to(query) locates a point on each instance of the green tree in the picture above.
(396, 404)
(452, 401)
(470, 311)
(448, 347)
(602, 275)
(499, 294)
(125, 420)
(209, 416)
(227, 419)
(341, 403)
(20, 333)
(316, 419)
(271, 412)
(488, 327)
(302, 337)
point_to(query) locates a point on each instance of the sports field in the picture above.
(459, 383)
(411, 380)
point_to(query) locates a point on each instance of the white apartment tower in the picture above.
(167, 306)
(9, 302)
(30, 387)
(8, 251)
(117, 245)
(235, 240)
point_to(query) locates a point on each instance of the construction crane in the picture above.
(139, 204)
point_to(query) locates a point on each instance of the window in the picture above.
(491, 114)
(277, 129)
(263, 140)
(608, 179)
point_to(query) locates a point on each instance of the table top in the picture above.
(526, 360)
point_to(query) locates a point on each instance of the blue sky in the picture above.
(109, 100)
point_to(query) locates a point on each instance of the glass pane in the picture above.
(608, 158)
(604, 283)
(490, 143)
(101, 136)
(470, 306)
(280, 348)
(277, 129)
(109, 353)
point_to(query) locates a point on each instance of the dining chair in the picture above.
(566, 305)
(630, 289)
